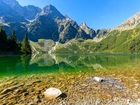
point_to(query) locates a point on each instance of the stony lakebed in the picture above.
(117, 88)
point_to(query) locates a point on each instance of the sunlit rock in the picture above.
(98, 79)
(52, 93)
(139, 101)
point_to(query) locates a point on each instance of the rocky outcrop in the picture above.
(93, 33)
(47, 23)
(7, 14)
(130, 23)
(31, 11)
(88, 30)
(28, 12)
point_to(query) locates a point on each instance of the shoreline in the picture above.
(75, 85)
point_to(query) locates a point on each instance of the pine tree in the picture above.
(26, 48)
(13, 37)
(13, 42)
(3, 40)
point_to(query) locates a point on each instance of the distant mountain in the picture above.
(122, 42)
(69, 29)
(130, 23)
(93, 33)
(7, 14)
(123, 39)
(15, 6)
(88, 30)
(46, 23)
(28, 12)
(49, 25)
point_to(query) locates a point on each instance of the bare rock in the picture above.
(52, 93)
(139, 101)
(6, 91)
(98, 79)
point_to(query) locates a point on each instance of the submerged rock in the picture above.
(98, 79)
(106, 82)
(6, 91)
(139, 101)
(52, 93)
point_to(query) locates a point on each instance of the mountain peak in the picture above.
(130, 22)
(51, 11)
(84, 26)
(49, 8)
(11, 3)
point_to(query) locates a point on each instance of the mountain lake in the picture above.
(23, 79)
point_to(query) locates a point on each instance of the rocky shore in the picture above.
(77, 88)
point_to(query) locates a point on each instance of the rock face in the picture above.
(47, 23)
(52, 93)
(30, 11)
(130, 23)
(88, 30)
(93, 33)
(69, 29)
(7, 14)
(57, 27)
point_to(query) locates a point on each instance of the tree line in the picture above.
(11, 44)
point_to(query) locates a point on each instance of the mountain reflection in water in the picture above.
(46, 63)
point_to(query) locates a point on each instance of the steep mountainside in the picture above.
(15, 6)
(69, 29)
(47, 23)
(57, 27)
(130, 23)
(93, 33)
(88, 30)
(127, 41)
(7, 14)
(13, 16)
(28, 12)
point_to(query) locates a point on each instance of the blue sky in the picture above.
(97, 14)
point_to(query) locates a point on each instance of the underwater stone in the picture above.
(52, 93)
(98, 79)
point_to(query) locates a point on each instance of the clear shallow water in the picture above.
(45, 63)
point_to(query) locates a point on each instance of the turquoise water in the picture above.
(45, 63)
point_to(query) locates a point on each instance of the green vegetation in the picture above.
(26, 48)
(127, 41)
(11, 45)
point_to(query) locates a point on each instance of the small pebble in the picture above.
(139, 101)
(128, 102)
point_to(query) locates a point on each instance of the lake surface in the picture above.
(72, 74)
(45, 63)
